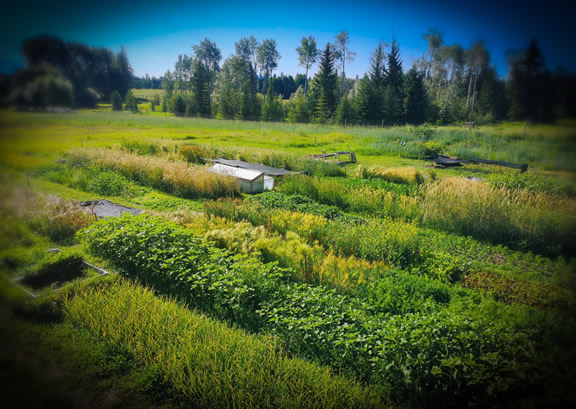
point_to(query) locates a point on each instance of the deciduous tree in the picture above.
(307, 56)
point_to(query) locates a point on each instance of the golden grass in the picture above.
(166, 173)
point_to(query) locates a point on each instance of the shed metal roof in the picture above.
(246, 174)
(267, 170)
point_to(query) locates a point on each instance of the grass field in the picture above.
(383, 283)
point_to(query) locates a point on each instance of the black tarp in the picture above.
(267, 170)
(451, 161)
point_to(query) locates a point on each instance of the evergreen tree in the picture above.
(394, 92)
(116, 101)
(345, 113)
(122, 73)
(200, 89)
(530, 86)
(130, 101)
(272, 109)
(325, 86)
(177, 105)
(371, 93)
(416, 98)
(491, 102)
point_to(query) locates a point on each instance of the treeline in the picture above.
(284, 85)
(448, 84)
(66, 74)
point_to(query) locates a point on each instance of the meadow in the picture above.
(386, 283)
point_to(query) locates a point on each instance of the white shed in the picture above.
(250, 181)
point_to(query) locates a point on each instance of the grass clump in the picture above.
(404, 176)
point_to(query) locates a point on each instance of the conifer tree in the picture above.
(394, 92)
(116, 101)
(325, 86)
(416, 99)
(130, 101)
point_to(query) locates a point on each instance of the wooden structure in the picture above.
(349, 157)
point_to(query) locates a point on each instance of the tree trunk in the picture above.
(306, 83)
(474, 92)
(468, 97)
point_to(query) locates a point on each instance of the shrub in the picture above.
(130, 101)
(116, 101)
(193, 153)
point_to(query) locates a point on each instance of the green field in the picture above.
(386, 283)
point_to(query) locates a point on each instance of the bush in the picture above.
(116, 101)
(177, 105)
(193, 153)
(130, 101)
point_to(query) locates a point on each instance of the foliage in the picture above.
(193, 153)
(303, 204)
(172, 176)
(85, 67)
(116, 101)
(324, 86)
(130, 101)
(525, 292)
(397, 175)
(59, 219)
(450, 355)
(518, 218)
(222, 367)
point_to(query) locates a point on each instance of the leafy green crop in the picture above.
(450, 355)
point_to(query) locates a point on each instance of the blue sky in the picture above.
(155, 33)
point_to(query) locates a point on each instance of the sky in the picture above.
(154, 33)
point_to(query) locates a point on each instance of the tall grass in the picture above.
(359, 198)
(212, 364)
(519, 218)
(163, 173)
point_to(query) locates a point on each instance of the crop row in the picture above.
(520, 218)
(207, 361)
(432, 353)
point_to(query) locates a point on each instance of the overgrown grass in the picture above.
(519, 218)
(163, 173)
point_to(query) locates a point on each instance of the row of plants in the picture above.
(165, 173)
(522, 219)
(318, 246)
(210, 363)
(436, 354)
(91, 178)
